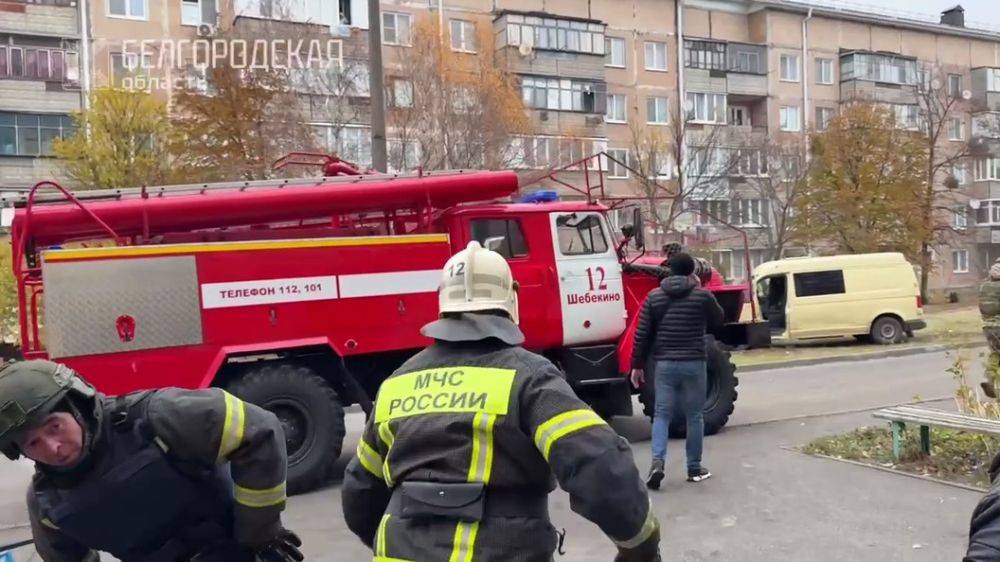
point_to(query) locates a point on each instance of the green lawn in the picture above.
(946, 325)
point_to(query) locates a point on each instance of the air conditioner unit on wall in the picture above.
(206, 30)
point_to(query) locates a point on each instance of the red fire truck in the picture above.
(302, 295)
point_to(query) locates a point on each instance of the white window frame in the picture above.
(960, 261)
(398, 143)
(993, 79)
(824, 71)
(200, 12)
(466, 28)
(658, 117)
(784, 113)
(721, 115)
(396, 16)
(822, 121)
(402, 90)
(951, 129)
(794, 69)
(987, 169)
(647, 63)
(616, 101)
(960, 220)
(128, 9)
(960, 174)
(622, 155)
(609, 52)
(753, 210)
(955, 92)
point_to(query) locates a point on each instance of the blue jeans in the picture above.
(684, 381)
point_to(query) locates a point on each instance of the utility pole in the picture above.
(376, 85)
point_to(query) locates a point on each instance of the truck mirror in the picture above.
(639, 231)
(628, 231)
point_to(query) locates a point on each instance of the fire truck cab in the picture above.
(304, 295)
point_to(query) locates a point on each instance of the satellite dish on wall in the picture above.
(974, 203)
(935, 84)
(966, 95)
(525, 49)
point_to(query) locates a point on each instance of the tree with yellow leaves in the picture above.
(120, 141)
(863, 191)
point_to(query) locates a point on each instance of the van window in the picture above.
(581, 235)
(819, 283)
(506, 235)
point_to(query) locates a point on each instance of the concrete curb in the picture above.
(899, 472)
(916, 350)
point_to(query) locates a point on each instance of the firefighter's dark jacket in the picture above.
(482, 410)
(984, 530)
(167, 460)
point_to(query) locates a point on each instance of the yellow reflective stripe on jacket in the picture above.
(370, 459)
(482, 447)
(561, 425)
(259, 498)
(385, 434)
(465, 541)
(451, 390)
(232, 429)
(645, 531)
(380, 548)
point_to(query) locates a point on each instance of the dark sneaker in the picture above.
(655, 475)
(698, 474)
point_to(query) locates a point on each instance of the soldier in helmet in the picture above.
(470, 435)
(156, 476)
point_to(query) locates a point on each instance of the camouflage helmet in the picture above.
(671, 248)
(29, 391)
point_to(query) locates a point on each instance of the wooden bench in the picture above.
(899, 416)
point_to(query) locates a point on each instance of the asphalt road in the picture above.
(766, 502)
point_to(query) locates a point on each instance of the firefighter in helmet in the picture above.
(156, 476)
(470, 435)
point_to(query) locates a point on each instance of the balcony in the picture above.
(52, 18)
(540, 44)
(733, 68)
(986, 89)
(878, 77)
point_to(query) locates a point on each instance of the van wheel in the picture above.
(720, 399)
(311, 416)
(887, 329)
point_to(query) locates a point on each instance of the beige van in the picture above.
(870, 296)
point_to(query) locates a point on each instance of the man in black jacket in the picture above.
(984, 530)
(672, 326)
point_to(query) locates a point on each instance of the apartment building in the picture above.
(39, 85)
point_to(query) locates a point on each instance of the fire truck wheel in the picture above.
(721, 394)
(311, 416)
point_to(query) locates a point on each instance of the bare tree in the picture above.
(938, 104)
(780, 186)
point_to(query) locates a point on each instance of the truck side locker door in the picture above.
(591, 295)
(523, 241)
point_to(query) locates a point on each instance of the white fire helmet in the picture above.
(477, 280)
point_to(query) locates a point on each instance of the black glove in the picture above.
(647, 551)
(284, 547)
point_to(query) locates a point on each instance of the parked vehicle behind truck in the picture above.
(303, 295)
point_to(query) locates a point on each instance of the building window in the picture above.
(988, 213)
(823, 117)
(656, 55)
(507, 231)
(396, 28)
(711, 212)
(352, 143)
(617, 168)
(961, 218)
(750, 162)
(402, 93)
(132, 9)
(580, 235)
(402, 155)
(749, 212)
(955, 85)
(555, 34)
(710, 55)
(790, 119)
(824, 71)
(819, 283)
(32, 134)
(956, 129)
(993, 79)
(543, 152)
(656, 110)
(614, 52)
(463, 36)
(878, 68)
(988, 169)
(35, 64)
(789, 68)
(958, 172)
(907, 116)
(560, 94)
(748, 62)
(960, 261)
(192, 14)
(707, 108)
(616, 109)
(660, 166)
(125, 68)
